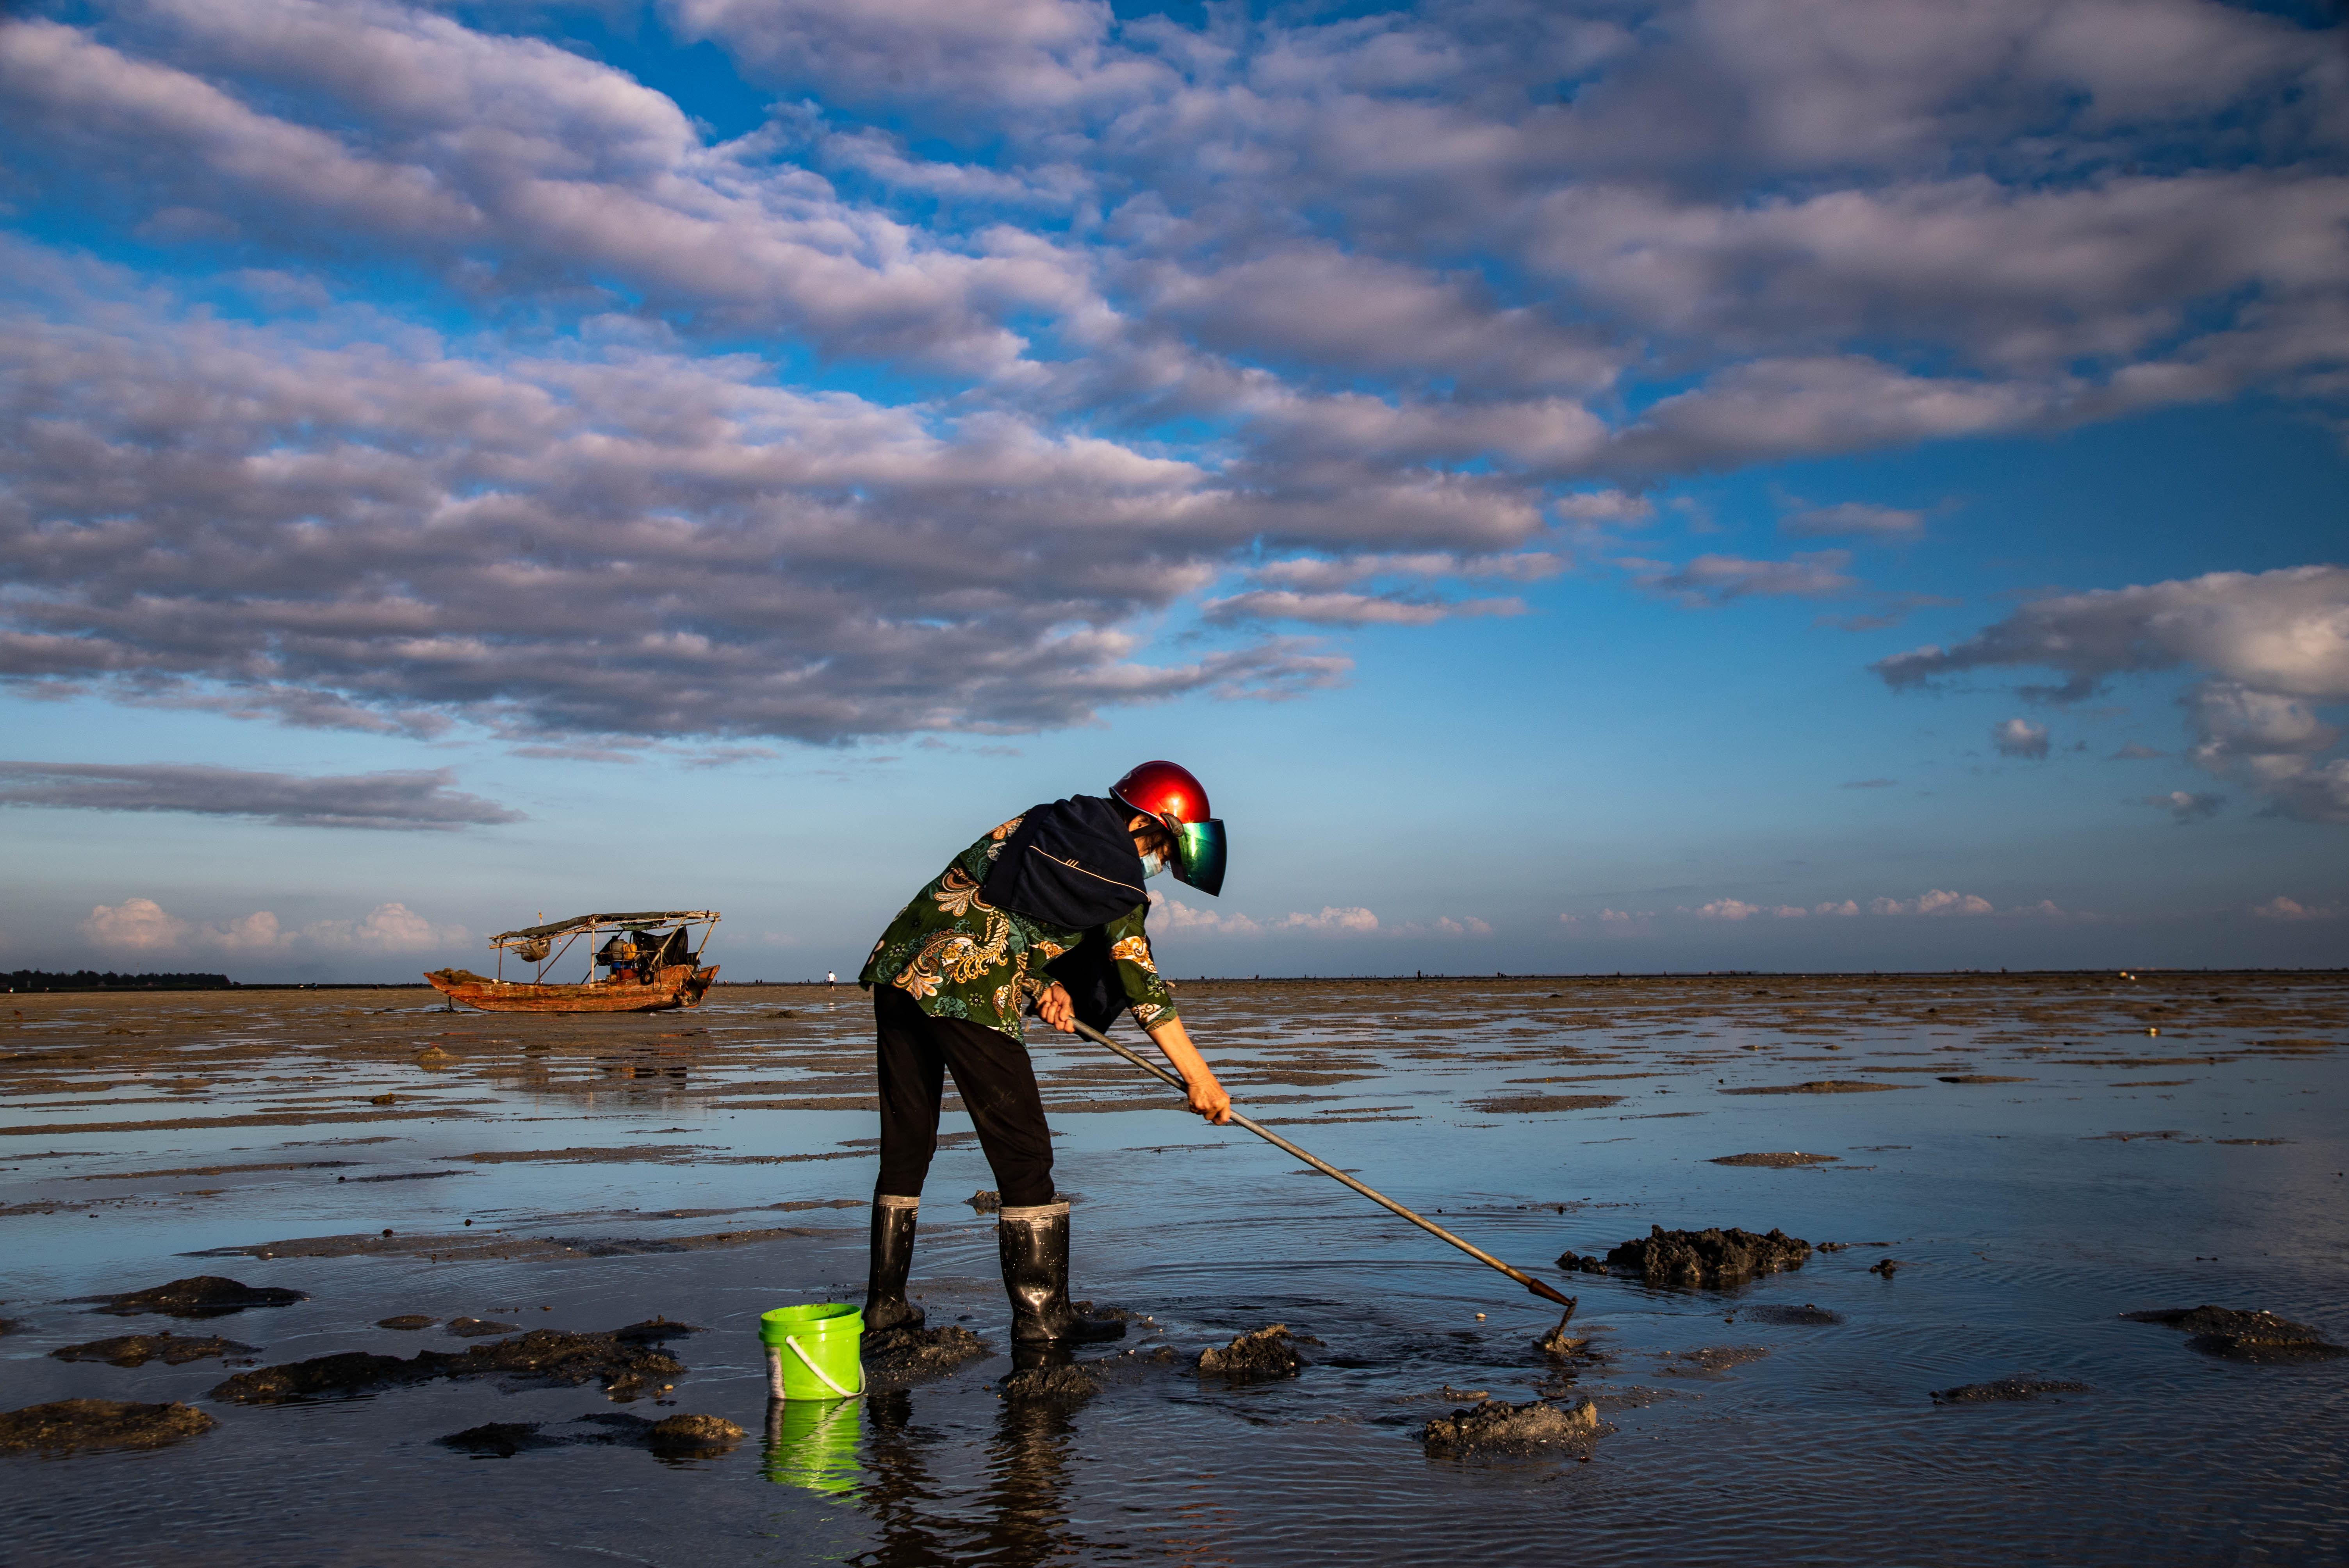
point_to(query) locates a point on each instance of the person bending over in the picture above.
(1049, 906)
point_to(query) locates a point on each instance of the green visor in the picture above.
(1198, 858)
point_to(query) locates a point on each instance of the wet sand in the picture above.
(2033, 1156)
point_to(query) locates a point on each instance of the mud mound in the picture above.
(1709, 1257)
(407, 1320)
(903, 1350)
(622, 1359)
(479, 1328)
(204, 1295)
(1535, 1104)
(2006, 1389)
(1574, 1263)
(2242, 1335)
(679, 1437)
(1775, 1162)
(138, 1349)
(986, 1203)
(1270, 1352)
(1803, 1316)
(1982, 1077)
(500, 1439)
(65, 1425)
(1818, 1085)
(1050, 1385)
(1496, 1426)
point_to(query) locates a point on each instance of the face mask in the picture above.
(1152, 864)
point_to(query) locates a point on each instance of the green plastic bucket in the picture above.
(813, 1446)
(813, 1352)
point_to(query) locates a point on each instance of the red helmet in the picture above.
(1167, 791)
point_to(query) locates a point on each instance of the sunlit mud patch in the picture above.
(2007, 1391)
(64, 1426)
(1270, 1352)
(1497, 1427)
(2241, 1336)
(138, 1349)
(1779, 1161)
(1048, 1385)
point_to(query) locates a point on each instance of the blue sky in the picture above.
(1691, 485)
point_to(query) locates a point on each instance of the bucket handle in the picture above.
(809, 1362)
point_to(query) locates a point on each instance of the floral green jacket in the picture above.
(960, 958)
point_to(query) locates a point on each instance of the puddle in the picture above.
(626, 1172)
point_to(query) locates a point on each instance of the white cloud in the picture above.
(135, 926)
(2282, 908)
(1728, 909)
(2187, 807)
(1172, 914)
(1350, 609)
(388, 928)
(1935, 902)
(1330, 919)
(1848, 907)
(2019, 737)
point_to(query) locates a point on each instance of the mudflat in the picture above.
(409, 1232)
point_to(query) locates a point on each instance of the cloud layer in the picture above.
(410, 800)
(1017, 332)
(2272, 648)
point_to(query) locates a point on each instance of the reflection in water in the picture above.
(1021, 1514)
(811, 1443)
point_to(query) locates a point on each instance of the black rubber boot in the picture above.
(1035, 1246)
(886, 1305)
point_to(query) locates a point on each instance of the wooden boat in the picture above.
(651, 964)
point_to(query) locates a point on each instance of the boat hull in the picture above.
(679, 985)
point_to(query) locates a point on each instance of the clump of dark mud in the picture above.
(407, 1320)
(986, 1203)
(204, 1295)
(65, 1425)
(1709, 1257)
(1048, 1385)
(625, 1360)
(1574, 1263)
(1803, 1316)
(2242, 1335)
(1776, 1161)
(916, 1350)
(2006, 1389)
(679, 1437)
(1887, 1267)
(479, 1328)
(1496, 1426)
(138, 1349)
(1984, 1078)
(1270, 1352)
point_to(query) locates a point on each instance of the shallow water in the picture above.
(708, 1175)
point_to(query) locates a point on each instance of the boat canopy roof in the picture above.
(593, 922)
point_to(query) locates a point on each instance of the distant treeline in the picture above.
(91, 980)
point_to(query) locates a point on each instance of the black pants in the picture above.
(912, 1052)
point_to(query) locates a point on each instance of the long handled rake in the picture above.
(1375, 1196)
